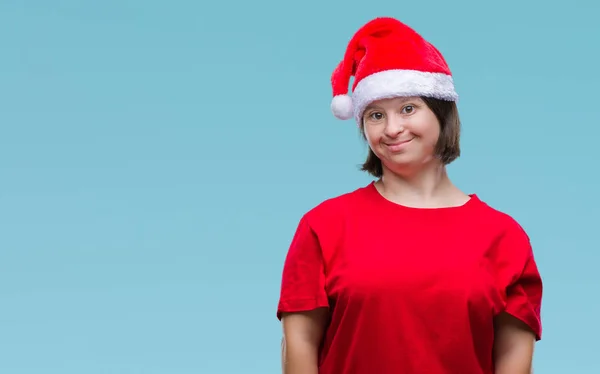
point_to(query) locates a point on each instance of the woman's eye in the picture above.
(376, 116)
(408, 109)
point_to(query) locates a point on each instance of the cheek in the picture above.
(433, 136)
(370, 135)
(427, 132)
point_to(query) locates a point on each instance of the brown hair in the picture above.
(448, 145)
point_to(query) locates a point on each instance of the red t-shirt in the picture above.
(409, 290)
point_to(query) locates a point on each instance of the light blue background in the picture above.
(156, 157)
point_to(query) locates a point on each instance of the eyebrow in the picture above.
(402, 99)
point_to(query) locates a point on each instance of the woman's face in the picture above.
(402, 132)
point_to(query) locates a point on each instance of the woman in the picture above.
(407, 274)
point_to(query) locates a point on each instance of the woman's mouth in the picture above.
(399, 145)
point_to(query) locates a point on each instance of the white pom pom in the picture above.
(342, 107)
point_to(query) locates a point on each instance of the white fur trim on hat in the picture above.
(396, 83)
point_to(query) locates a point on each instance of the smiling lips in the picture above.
(398, 146)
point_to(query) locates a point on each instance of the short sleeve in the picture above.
(303, 278)
(524, 291)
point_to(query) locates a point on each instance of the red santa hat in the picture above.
(388, 59)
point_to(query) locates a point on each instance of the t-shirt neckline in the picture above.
(473, 200)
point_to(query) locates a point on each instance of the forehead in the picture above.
(394, 101)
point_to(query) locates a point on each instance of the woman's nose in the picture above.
(394, 126)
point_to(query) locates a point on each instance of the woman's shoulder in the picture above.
(502, 221)
(336, 207)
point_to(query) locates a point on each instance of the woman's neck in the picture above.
(428, 188)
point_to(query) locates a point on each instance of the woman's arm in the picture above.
(513, 346)
(302, 335)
